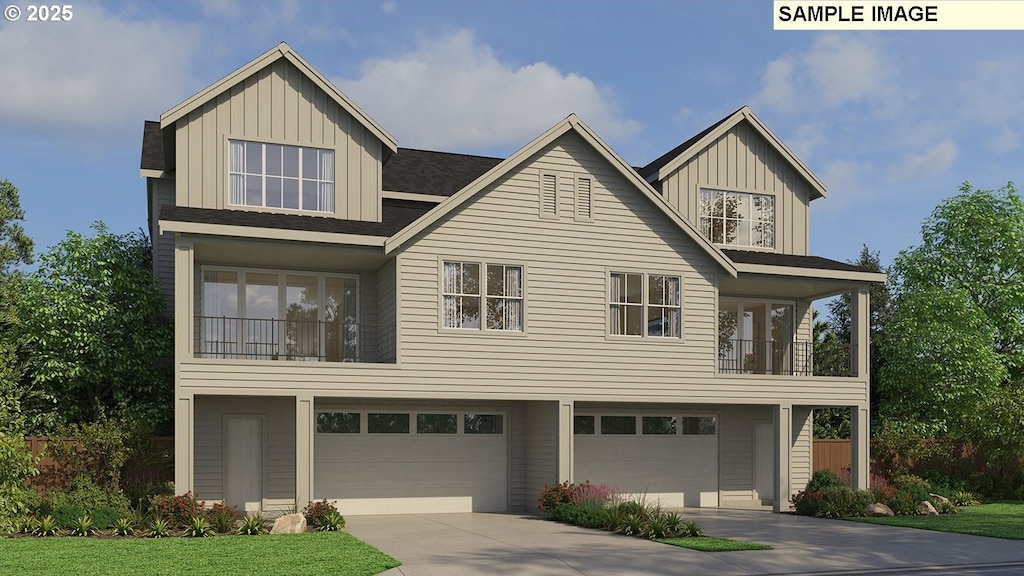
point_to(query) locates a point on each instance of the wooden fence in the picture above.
(148, 467)
(831, 455)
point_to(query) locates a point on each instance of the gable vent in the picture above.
(548, 196)
(584, 199)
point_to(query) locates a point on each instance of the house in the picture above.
(404, 330)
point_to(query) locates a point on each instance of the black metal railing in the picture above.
(299, 340)
(786, 358)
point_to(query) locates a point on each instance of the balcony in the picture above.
(786, 358)
(228, 338)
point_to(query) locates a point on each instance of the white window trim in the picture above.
(460, 418)
(482, 329)
(333, 198)
(645, 305)
(775, 217)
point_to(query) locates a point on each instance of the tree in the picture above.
(91, 321)
(15, 249)
(954, 350)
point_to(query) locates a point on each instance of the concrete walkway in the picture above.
(456, 544)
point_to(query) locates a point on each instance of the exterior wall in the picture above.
(736, 452)
(387, 307)
(741, 160)
(518, 498)
(803, 446)
(278, 445)
(161, 192)
(541, 449)
(279, 105)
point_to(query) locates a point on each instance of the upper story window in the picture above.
(279, 176)
(644, 305)
(499, 297)
(738, 218)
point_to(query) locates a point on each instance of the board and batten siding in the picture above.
(278, 444)
(162, 190)
(742, 160)
(280, 105)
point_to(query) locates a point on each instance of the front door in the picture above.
(243, 462)
(764, 460)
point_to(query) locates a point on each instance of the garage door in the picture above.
(407, 461)
(668, 457)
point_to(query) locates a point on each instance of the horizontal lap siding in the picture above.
(540, 450)
(736, 446)
(803, 429)
(742, 160)
(278, 104)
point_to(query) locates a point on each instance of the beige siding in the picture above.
(387, 290)
(278, 104)
(803, 428)
(519, 500)
(742, 160)
(278, 444)
(736, 446)
(162, 190)
(541, 449)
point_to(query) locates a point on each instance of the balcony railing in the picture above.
(786, 358)
(298, 340)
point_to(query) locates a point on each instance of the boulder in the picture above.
(878, 509)
(926, 509)
(940, 500)
(289, 524)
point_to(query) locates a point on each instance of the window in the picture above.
(699, 425)
(757, 337)
(738, 218)
(483, 423)
(501, 299)
(618, 424)
(337, 422)
(387, 423)
(436, 424)
(278, 176)
(583, 424)
(659, 425)
(627, 304)
(548, 195)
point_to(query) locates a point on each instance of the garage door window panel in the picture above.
(483, 424)
(618, 425)
(583, 425)
(387, 423)
(437, 424)
(337, 423)
(659, 425)
(700, 425)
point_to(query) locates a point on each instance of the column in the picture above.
(184, 402)
(860, 333)
(305, 420)
(184, 410)
(565, 440)
(860, 447)
(783, 420)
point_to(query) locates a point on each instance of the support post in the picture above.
(860, 473)
(783, 420)
(184, 419)
(566, 409)
(304, 422)
(184, 402)
(860, 333)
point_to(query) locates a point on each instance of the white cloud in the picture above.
(929, 162)
(454, 93)
(842, 178)
(389, 6)
(806, 140)
(100, 72)
(835, 70)
(220, 8)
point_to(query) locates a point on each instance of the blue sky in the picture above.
(892, 122)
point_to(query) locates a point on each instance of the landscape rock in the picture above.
(926, 509)
(940, 500)
(878, 509)
(289, 524)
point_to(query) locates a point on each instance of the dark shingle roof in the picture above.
(152, 147)
(440, 173)
(667, 157)
(790, 260)
(397, 215)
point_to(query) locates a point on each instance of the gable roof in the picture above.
(571, 123)
(436, 173)
(668, 163)
(152, 147)
(282, 50)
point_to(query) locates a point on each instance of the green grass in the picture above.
(996, 520)
(334, 553)
(712, 544)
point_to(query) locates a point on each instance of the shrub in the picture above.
(66, 515)
(159, 528)
(564, 493)
(823, 479)
(198, 527)
(674, 522)
(332, 521)
(633, 525)
(253, 525)
(83, 494)
(47, 526)
(179, 510)
(597, 494)
(105, 516)
(963, 498)
(315, 512)
(97, 450)
(124, 527)
(222, 517)
(83, 527)
(16, 465)
(586, 515)
(141, 492)
(691, 530)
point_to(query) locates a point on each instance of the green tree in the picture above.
(91, 320)
(954, 349)
(15, 249)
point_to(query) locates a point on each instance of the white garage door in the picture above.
(672, 458)
(410, 462)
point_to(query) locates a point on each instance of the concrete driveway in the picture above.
(455, 544)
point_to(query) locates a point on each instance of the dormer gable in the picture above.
(740, 185)
(277, 136)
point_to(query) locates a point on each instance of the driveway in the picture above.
(455, 544)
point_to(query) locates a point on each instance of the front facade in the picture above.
(405, 331)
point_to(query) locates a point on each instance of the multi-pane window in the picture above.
(634, 311)
(500, 298)
(738, 218)
(279, 176)
(426, 423)
(649, 425)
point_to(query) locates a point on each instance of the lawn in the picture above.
(1002, 520)
(712, 544)
(334, 553)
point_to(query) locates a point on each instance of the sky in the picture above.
(891, 122)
